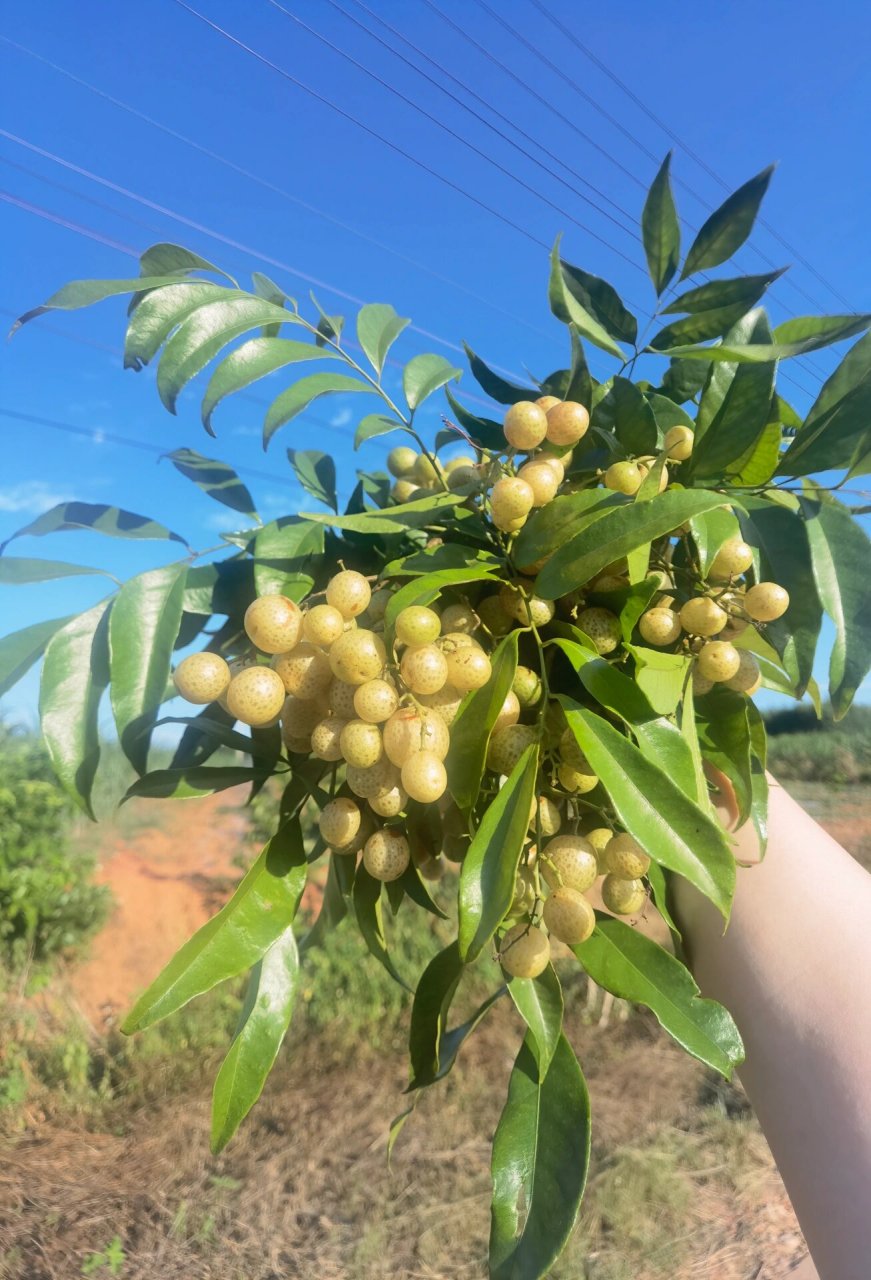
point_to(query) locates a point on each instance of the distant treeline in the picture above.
(803, 747)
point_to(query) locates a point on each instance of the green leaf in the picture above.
(159, 312)
(428, 587)
(667, 413)
(334, 906)
(316, 473)
(74, 676)
(490, 865)
(370, 920)
(741, 415)
(429, 1014)
(84, 293)
(165, 257)
(743, 291)
(253, 360)
(375, 424)
(217, 479)
(284, 549)
(112, 521)
(224, 586)
(408, 515)
(683, 380)
(840, 556)
(602, 301)
(660, 229)
(262, 1027)
(660, 676)
(617, 532)
(552, 525)
(142, 629)
(728, 227)
(653, 808)
(724, 737)
(794, 338)
(497, 388)
(470, 731)
(838, 419)
(709, 531)
(699, 327)
(378, 327)
(626, 412)
(633, 967)
(295, 399)
(483, 432)
(539, 1002)
(15, 570)
(20, 649)
(566, 307)
(425, 374)
(759, 463)
(259, 912)
(222, 733)
(541, 1153)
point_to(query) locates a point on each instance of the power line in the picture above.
(65, 222)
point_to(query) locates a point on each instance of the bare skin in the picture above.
(793, 967)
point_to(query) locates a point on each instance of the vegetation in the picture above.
(804, 748)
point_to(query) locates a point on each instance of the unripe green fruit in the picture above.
(748, 677)
(361, 743)
(660, 626)
(423, 669)
(424, 777)
(426, 471)
(624, 477)
(718, 660)
(273, 623)
(409, 730)
(305, 670)
(678, 443)
(625, 857)
(525, 425)
(494, 617)
(357, 656)
(405, 490)
(569, 916)
(524, 951)
(349, 592)
(606, 582)
(511, 499)
(578, 781)
(322, 625)
(299, 717)
(255, 696)
(340, 697)
(386, 854)
(623, 897)
(544, 816)
(458, 463)
(524, 893)
(326, 738)
(522, 604)
(508, 745)
(602, 626)
(340, 821)
(202, 678)
(468, 669)
(460, 618)
(766, 601)
(461, 477)
(734, 558)
(375, 701)
(401, 460)
(389, 804)
(567, 422)
(600, 838)
(569, 862)
(702, 616)
(527, 685)
(417, 625)
(445, 703)
(509, 712)
(378, 603)
(375, 780)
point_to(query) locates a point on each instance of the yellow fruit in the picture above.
(273, 623)
(542, 479)
(326, 738)
(361, 743)
(521, 603)
(624, 477)
(409, 730)
(424, 777)
(255, 696)
(417, 625)
(660, 626)
(427, 471)
(374, 780)
(305, 670)
(386, 854)
(701, 684)
(679, 443)
(527, 685)
(349, 592)
(405, 490)
(511, 499)
(508, 745)
(570, 862)
(578, 781)
(702, 616)
(357, 656)
(460, 618)
(544, 816)
(734, 558)
(525, 425)
(748, 677)
(375, 701)
(322, 625)
(401, 460)
(557, 465)
(458, 463)
(569, 916)
(509, 712)
(424, 668)
(625, 857)
(299, 716)
(445, 703)
(339, 821)
(340, 697)
(524, 951)
(567, 422)
(202, 678)
(600, 838)
(547, 402)
(468, 669)
(718, 660)
(766, 601)
(623, 897)
(602, 626)
(378, 603)
(389, 804)
(461, 477)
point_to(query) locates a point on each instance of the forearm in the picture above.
(794, 969)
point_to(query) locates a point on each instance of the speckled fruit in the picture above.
(509, 712)
(378, 602)
(405, 490)
(511, 499)
(524, 951)
(623, 897)
(660, 626)
(599, 838)
(417, 625)
(424, 777)
(340, 697)
(376, 780)
(602, 626)
(734, 558)
(624, 477)
(569, 916)
(273, 623)
(625, 857)
(361, 743)
(386, 854)
(702, 616)
(766, 601)
(569, 861)
(299, 716)
(542, 478)
(445, 703)
(401, 460)
(527, 685)
(358, 656)
(255, 696)
(427, 471)
(577, 781)
(305, 670)
(349, 592)
(409, 730)
(545, 818)
(508, 745)
(202, 678)
(701, 684)
(389, 804)
(547, 402)
(567, 422)
(748, 677)
(326, 738)
(375, 701)
(461, 618)
(678, 443)
(340, 821)
(718, 660)
(423, 669)
(522, 604)
(462, 477)
(468, 669)
(525, 425)
(322, 625)
(494, 617)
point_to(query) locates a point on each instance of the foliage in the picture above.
(656, 487)
(823, 750)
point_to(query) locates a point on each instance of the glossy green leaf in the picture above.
(490, 865)
(224, 586)
(743, 291)
(429, 1014)
(20, 649)
(298, 397)
(425, 374)
(334, 905)
(470, 731)
(112, 521)
(724, 736)
(217, 479)
(723, 233)
(316, 473)
(699, 327)
(452, 1040)
(497, 388)
(567, 308)
(429, 586)
(793, 338)
(15, 570)
(633, 967)
(683, 380)
(838, 419)
(709, 531)
(222, 733)
(553, 524)
(84, 293)
(284, 550)
(661, 676)
(602, 301)
(617, 532)
(370, 920)
(378, 327)
(258, 914)
(142, 629)
(74, 677)
(541, 1153)
(375, 424)
(408, 515)
(159, 312)
(539, 1002)
(653, 808)
(719, 378)
(758, 464)
(162, 258)
(262, 1027)
(667, 413)
(698, 790)
(660, 229)
(251, 361)
(484, 433)
(741, 415)
(626, 412)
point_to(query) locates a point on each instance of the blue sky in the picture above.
(740, 86)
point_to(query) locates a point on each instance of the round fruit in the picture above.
(509, 712)
(305, 670)
(323, 624)
(718, 660)
(340, 697)
(461, 618)
(702, 616)
(460, 477)
(409, 730)
(510, 499)
(404, 490)
(361, 743)
(571, 753)
(766, 601)
(458, 463)
(445, 703)
(606, 582)
(660, 626)
(542, 478)
(527, 685)
(255, 696)
(522, 604)
(389, 804)
(493, 616)
(748, 677)
(602, 626)
(468, 669)
(663, 475)
(401, 460)
(557, 465)
(340, 821)
(202, 678)
(417, 625)
(424, 669)
(299, 716)
(624, 477)
(547, 402)
(623, 897)
(524, 951)
(625, 857)
(386, 854)
(569, 862)
(426, 471)
(701, 684)
(567, 422)
(578, 781)
(376, 780)
(569, 916)
(424, 777)
(524, 893)
(734, 558)
(326, 738)
(273, 623)
(600, 838)
(349, 592)
(508, 745)
(375, 701)
(357, 656)
(544, 816)
(525, 425)
(678, 443)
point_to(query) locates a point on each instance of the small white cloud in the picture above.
(99, 437)
(341, 418)
(246, 431)
(31, 497)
